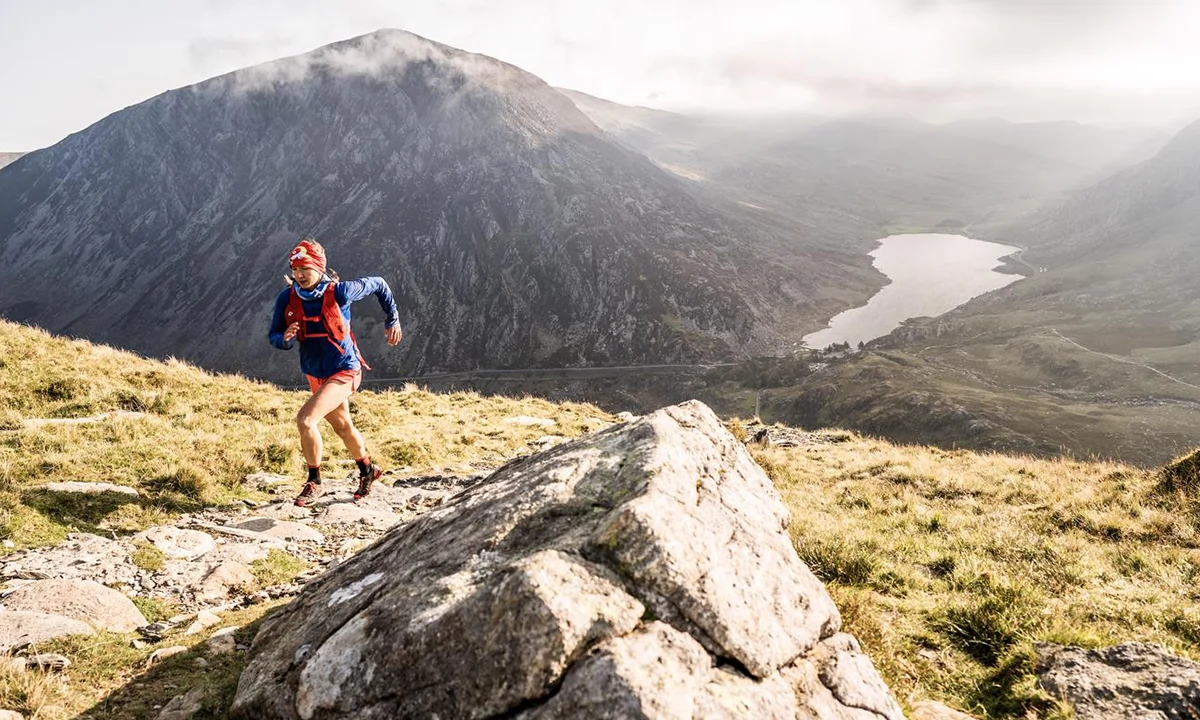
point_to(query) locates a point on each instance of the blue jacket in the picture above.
(318, 356)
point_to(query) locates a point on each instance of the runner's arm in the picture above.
(355, 290)
(278, 326)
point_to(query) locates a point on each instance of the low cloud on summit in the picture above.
(64, 65)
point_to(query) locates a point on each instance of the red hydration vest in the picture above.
(331, 320)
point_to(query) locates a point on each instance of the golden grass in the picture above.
(199, 434)
(949, 564)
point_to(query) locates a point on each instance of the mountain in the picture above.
(514, 231)
(897, 174)
(1093, 353)
(8, 158)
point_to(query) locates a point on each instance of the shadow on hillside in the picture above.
(88, 512)
(152, 687)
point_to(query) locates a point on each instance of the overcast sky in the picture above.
(65, 64)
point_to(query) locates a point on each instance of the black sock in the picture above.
(364, 464)
(314, 474)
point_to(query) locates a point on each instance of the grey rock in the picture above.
(657, 672)
(183, 707)
(1123, 682)
(222, 641)
(82, 555)
(223, 578)
(89, 488)
(266, 481)
(179, 543)
(11, 715)
(281, 529)
(242, 552)
(85, 600)
(19, 629)
(934, 710)
(203, 621)
(164, 653)
(852, 678)
(633, 559)
(351, 514)
(48, 662)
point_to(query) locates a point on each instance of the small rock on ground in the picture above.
(183, 707)
(19, 628)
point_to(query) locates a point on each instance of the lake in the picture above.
(930, 273)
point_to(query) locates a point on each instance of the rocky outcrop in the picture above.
(643, 571)
(1130, 681)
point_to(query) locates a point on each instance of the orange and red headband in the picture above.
(307, 255)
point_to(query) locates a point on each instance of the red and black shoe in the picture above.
(366, 480)
(311, 491)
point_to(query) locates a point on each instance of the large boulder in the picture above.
(644, 571)
(1130, 681)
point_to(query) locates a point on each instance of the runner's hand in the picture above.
(292, 331)
(392, 334)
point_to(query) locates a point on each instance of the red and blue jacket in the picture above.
(326, 345)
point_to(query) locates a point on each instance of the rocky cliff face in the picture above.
(642, 572)
(513, 231)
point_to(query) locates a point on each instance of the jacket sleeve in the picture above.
(355, 290)
(275, 335)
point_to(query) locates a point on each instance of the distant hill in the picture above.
(8, 158)
(1095, 352)
(514, 231)
(899, 174)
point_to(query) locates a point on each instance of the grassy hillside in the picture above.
(948, 565)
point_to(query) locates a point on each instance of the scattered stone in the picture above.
(48, 662)
(266, 481)
(1130, 681)
(545, 442)
(200, 662)
(164, 653)
(19, 628)
(82, 555)
(229, 575)
(11, 715)
(281, 529)
(351, 514)
(244, 553)
(183, 707)
(138, 644)
(204, 620)
(88, 488)
(668, 589)
(156, 631)
(179, 543)
(527, 420)
(8, 544)
(85, 600)
(222, 641)
(933, 710)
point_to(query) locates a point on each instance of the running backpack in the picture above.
(330, 319)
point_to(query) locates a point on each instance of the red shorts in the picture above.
(354, 377)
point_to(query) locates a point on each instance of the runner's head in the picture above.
(308, 262)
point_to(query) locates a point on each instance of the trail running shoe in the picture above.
(366, 481)
(311, 492)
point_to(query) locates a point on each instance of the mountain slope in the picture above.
(513, 230)
(1094, 352)
(8, 158)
